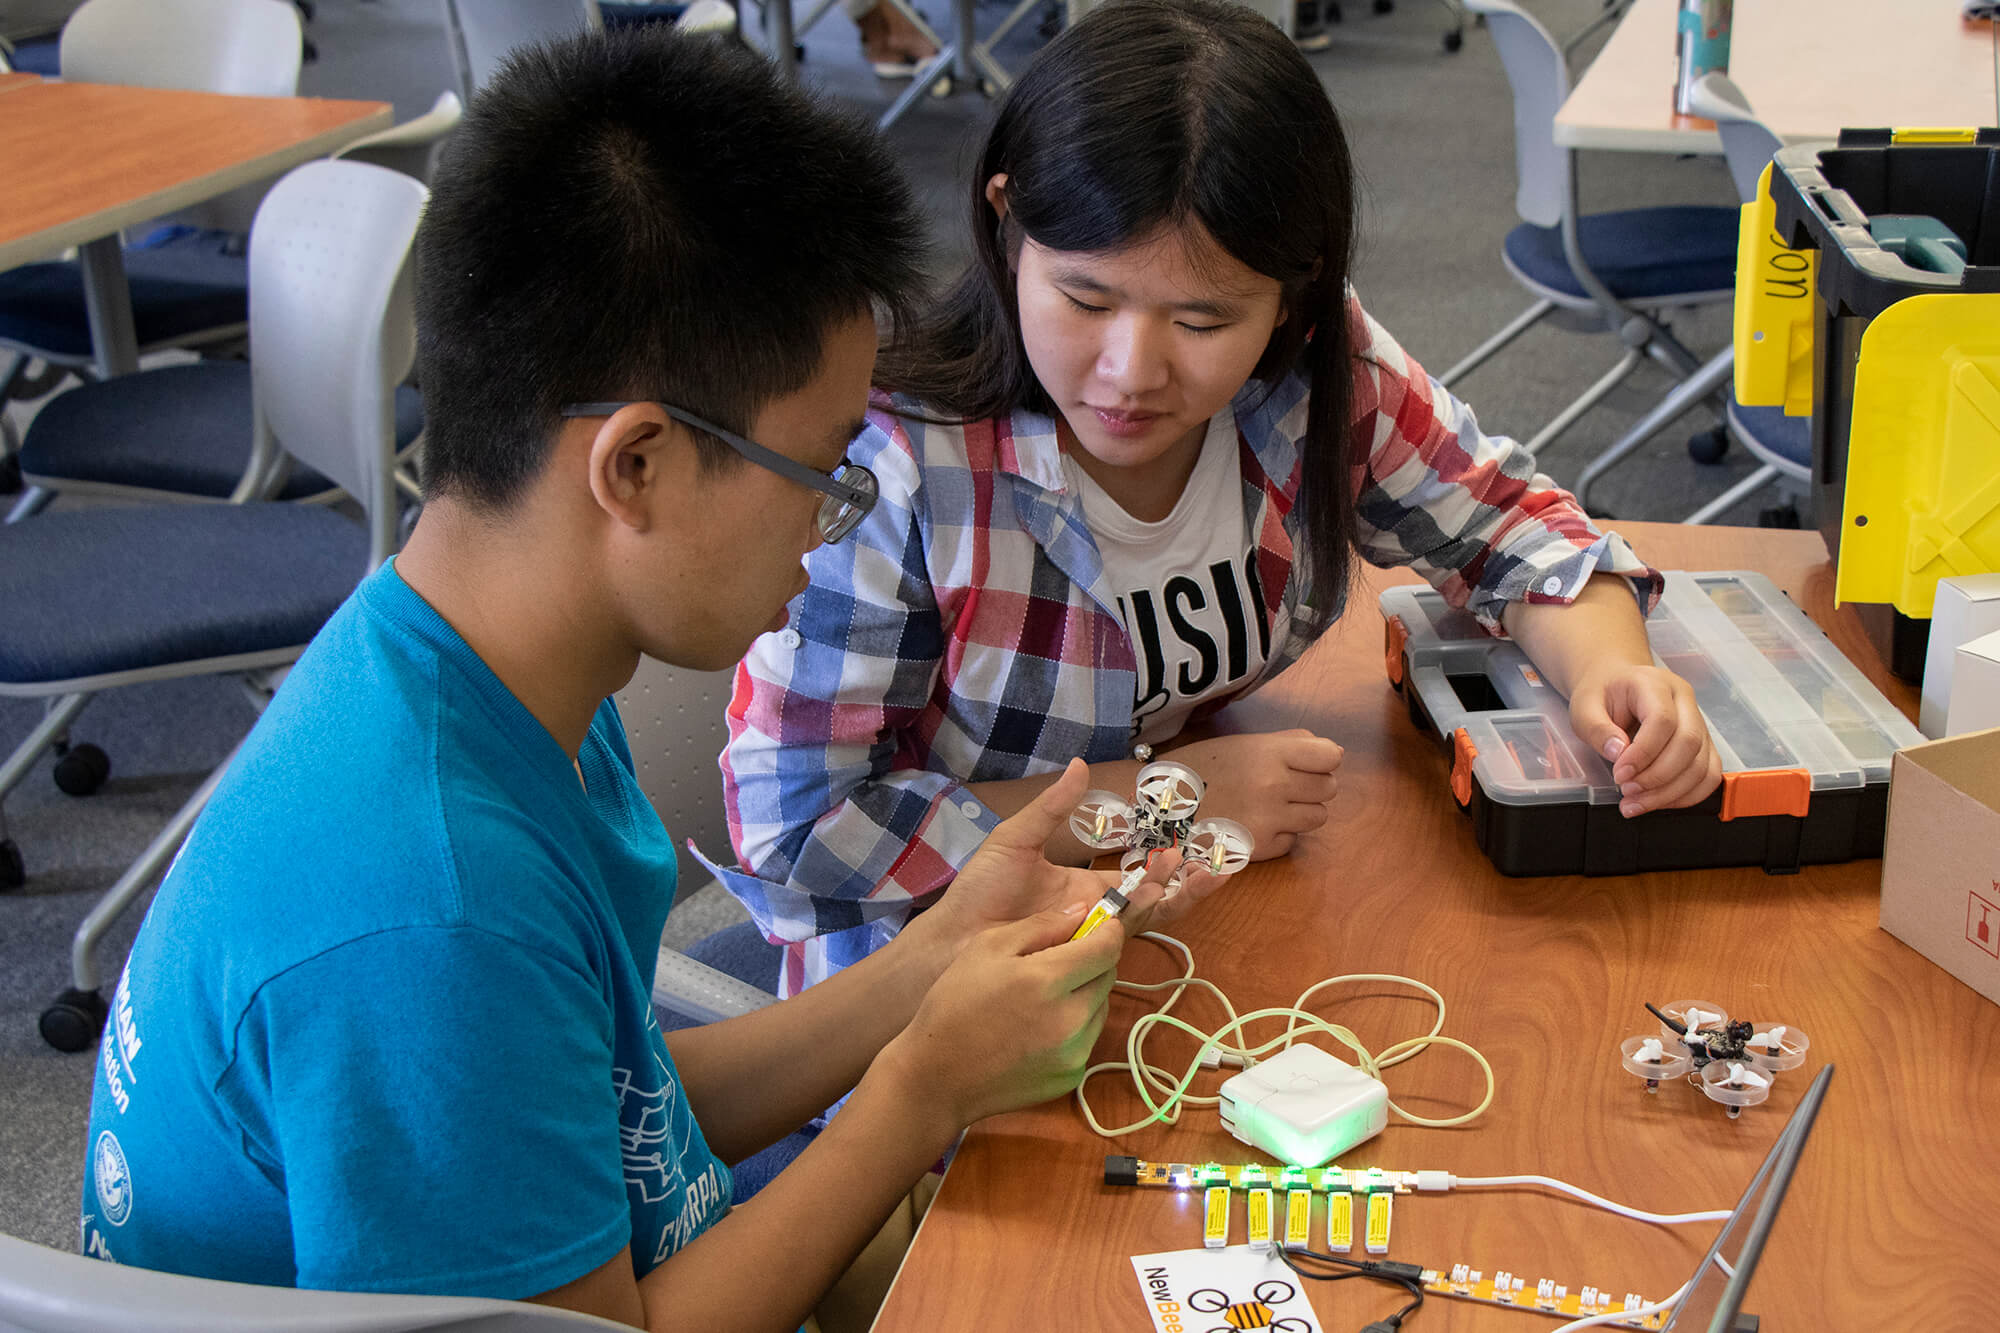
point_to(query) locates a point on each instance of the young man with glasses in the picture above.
(388, 1024)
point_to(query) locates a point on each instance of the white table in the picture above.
(1809, 67)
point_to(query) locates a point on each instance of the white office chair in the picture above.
(250, 48)
(1782, 445)
(101, 597)
(481, 33)
(675, 724)
(49, 1291)
(1617, 272)
(412, 146)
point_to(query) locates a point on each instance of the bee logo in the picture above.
(1254, 1313)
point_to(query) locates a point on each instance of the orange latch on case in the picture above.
(1395, 637)
(1463, 752)
(1766, 791)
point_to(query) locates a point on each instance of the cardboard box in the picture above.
(1967, 608)
(1941, 863)
(1975, 687)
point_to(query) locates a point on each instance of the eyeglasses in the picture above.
(849, 491)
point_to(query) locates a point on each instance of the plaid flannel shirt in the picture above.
(966, 633)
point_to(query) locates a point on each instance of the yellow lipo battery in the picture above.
(1378, 1222)
(1101, 912)
(1340, 1222)
(1260, 1219)
(1298, 1219)
(1215, 1227)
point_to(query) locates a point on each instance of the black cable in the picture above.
(1406, 1276)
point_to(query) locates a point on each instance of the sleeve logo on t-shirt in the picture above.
(114, 1180)
(645, 1118)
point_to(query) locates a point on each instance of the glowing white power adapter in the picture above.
(1304, 1106)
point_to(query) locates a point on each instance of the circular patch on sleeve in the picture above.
(113, 1179)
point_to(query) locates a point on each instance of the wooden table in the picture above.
(1890, 1221)
(82, 160)
(1809, 68)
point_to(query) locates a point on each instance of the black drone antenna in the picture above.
(1678, 1027)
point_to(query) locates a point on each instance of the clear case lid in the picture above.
(1776, 692)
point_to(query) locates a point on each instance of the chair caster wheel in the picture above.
(1385, 6)
(82, 769)
(10, 475)
(13, 871)
(74, 1021)
(1710, 446)
(1453, 41)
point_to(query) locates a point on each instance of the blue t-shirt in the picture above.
(388, 1025)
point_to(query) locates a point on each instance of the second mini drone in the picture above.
(1733, 1063)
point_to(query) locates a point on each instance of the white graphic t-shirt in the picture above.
(1186, 586)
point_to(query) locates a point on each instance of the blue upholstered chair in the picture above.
(99, 597)
(1617, 272)
(1782, 445)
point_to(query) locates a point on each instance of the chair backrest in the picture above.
(333, 327)
(412, 146)
(1748, 145)
(248, 47)
(480, 33)
(48, 1291)
(674, 722)
(1540, 80)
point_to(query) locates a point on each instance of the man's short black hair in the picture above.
(639, 214)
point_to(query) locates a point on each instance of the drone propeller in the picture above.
(1219, 846)
(1684, 1019)
(1735, 1085)
(1744, 1076)
(1651, 1059)
(1102, 820)
(1778, 1048)
(1170, 790)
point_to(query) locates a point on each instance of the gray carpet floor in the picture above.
(1433, 136)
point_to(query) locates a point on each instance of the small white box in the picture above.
(1967, 608)
(1975, 687)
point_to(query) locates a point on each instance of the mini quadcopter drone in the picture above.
(1161, 814)
(1732, 1063)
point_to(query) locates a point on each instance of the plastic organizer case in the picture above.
(1805, 739)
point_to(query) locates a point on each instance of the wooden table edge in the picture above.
(54, 239)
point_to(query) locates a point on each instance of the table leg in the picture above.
(961, 58)
(966, 39)
(107, 299)
(780, 37)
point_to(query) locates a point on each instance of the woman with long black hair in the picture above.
(1126, 466)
